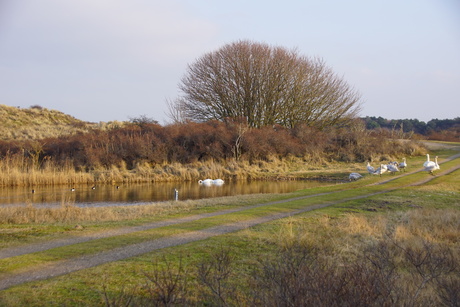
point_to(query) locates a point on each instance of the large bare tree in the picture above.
(264, 85)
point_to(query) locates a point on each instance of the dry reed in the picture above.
(15, 170)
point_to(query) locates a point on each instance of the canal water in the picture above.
(112, 195)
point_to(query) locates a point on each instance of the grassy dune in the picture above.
(38, 123)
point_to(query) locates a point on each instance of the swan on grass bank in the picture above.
(431, 166)
(354, 176)
(370, 168)
(382, 169)
(428, 162)
(403, 164)
(392, 167)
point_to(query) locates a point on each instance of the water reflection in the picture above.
(104, 195)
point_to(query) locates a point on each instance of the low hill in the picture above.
(37, 123)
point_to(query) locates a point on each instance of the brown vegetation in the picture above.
(68, 213)
(150, 152)
(36, 123)
(367, 265)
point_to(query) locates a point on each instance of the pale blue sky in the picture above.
(103, 60)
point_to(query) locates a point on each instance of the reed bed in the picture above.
(19, 171)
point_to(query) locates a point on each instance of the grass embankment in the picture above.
(408, 224)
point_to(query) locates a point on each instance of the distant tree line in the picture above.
(413, 125)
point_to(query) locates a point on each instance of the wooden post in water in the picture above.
(176, 194)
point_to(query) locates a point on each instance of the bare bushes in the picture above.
(385, 274)
(136, 152)
(260, 144)
(357, 144)
(216, 276)
(166, 285)
(381, 267)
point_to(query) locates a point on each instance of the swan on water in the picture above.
(218, 182)
(209, 182)
(206, 182)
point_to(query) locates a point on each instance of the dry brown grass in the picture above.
(18, 171)
(354, 224)
(432, 225)
(69, 213)
(427, 224)
(36, 123)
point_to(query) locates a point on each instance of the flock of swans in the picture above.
(393, 167)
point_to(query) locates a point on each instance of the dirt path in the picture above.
(87, 261)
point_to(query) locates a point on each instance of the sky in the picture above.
(110, 60)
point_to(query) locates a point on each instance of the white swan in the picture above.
(382, 169)
(206, 182)
(354, 176)
(431, 166)
(370, 168)
(403, 165)
(392, 168)
(218, 182)
(428, 162)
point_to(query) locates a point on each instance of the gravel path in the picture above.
(87, 261)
